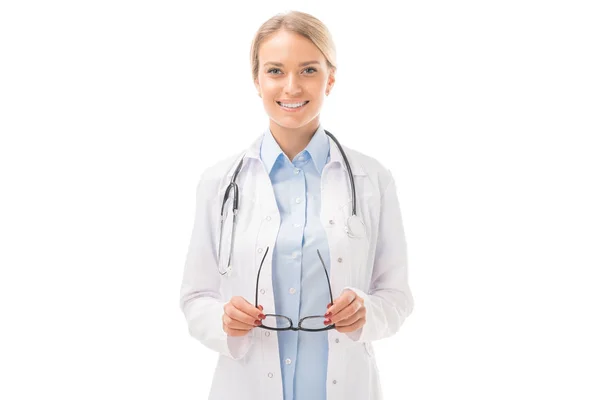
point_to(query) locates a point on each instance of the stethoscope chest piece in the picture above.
(355, 228)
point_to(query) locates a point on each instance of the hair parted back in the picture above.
(298, 22)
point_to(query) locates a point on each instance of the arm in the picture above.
(200, 298)
(389, 301)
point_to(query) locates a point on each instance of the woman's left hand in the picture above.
(348, 312)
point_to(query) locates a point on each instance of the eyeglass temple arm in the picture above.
(261, 264)
(258, 277)
(327, 275)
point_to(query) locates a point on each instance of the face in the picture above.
(292, 71)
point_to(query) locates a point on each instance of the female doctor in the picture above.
(297, 260)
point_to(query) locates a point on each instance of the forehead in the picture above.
(288, 46)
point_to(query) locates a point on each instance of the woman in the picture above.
(298, 242)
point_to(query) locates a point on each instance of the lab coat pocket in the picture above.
(358, 270)
(362, 249)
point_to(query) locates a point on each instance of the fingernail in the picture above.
(257, 322)
(262, 316)
(328, 305)
(328, 315)
(327, 322)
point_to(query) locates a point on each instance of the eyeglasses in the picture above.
(276, 322)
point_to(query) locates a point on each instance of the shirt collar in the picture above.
(335, 157)
(318, 148)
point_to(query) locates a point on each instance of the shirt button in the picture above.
(267, 333)
(270, 375)
(301, 158)
(296, 171)
(340, 259)
(292, 290)
(259, 249)
(331, 222)
(262, 291)
(298, 200)
(297, 225)
(294, 255)
(288, 361)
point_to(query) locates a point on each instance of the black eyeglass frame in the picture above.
(292, 327)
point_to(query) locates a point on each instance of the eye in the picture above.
(277, 69)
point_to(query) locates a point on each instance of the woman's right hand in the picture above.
(240, 316)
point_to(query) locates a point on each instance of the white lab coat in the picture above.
(375, 267)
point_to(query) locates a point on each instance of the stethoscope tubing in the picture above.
(233, 187)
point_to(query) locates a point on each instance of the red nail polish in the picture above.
(328, 315)
(327, 322)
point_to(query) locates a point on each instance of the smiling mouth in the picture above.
(296, 106)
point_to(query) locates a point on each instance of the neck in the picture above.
(293, 140)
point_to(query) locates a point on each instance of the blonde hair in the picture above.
(298, 22)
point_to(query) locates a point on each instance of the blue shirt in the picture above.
(300, 286)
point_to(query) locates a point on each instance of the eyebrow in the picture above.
(281, 65)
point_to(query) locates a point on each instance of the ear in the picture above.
(330, 80)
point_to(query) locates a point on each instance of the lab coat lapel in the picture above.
(333, 197)
(257, 188)
(336, 207)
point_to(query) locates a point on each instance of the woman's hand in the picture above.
(347, 312)
(240, 316)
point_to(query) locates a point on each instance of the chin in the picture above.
(292, 125)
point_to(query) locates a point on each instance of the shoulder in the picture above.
(213, 176)
(378, 173)
(219, 169)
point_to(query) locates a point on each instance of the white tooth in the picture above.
(295, 105)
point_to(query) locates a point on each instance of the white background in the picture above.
(487, 113)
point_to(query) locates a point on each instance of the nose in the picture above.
(292, 88)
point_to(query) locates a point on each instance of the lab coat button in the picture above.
(288, 361)
(268, 218)
(334, 381)
(292, 290)
(331, 222)
(267, 333)
(270, 375)
(259, 250)
(340, 259)
(337, 340)
(262, 291)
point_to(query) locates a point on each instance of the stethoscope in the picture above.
(354, 228)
